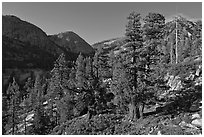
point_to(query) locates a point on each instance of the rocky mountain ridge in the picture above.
(33, 38)
(72, 42)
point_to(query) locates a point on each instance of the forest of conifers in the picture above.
(114, 92)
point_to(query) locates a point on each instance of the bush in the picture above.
(103, 124)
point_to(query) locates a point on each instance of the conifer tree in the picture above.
(65, 108)
(89, 73)
(120, 86)
(103, 63)
(25, 109)
(151, 63)
(5, 108)
(39, 118)
(13, 93)
(80, 71)
(57, 82)
(72, 78)
(197, 39)
(60, 76)
(28, 88)
(143, 54)
(96, 65)
(134, 45)
(111, 62)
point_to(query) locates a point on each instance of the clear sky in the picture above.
(94, 22)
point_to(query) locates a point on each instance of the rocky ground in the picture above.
(153, 123)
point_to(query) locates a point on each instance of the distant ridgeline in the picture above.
(27, 46)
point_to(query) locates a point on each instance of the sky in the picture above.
(94, 22)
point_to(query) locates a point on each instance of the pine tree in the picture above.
(143, 54)
(57, 87)
(197, 39)
(89, 72)
(151, 64)
(5, 116)
(13, 93)
(29, 94)
(111, 62)
(65, 108)
(80, 72)
(25, 109)
(120, 86)
(134, 45)
(60, 76)
(72, 78)
(39, 119)
(103, 63)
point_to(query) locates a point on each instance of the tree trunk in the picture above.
(25, 122)
(171, 53)
(13, 119)
(89, 115)
(176, 43)
(13, 124)
(136, 109)
(140, 109)
(133, 110)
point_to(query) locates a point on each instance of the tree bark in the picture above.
(176, 43)
(171, 53)
(25, 123)
(13, 119)
(140, 109)
(134, 111)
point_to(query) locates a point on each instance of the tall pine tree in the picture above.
(134, 45)
(13, 93)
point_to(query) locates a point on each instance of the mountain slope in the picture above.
(26, 45)
(18, 54)
(72, 42)
(15, 28)
(188, 44)
(107, 46)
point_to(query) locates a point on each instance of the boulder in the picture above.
(197, 122)
(176, 120)
(196, 116)
(184, 124)
(174, 82)
(199, 70)
(187, 119)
